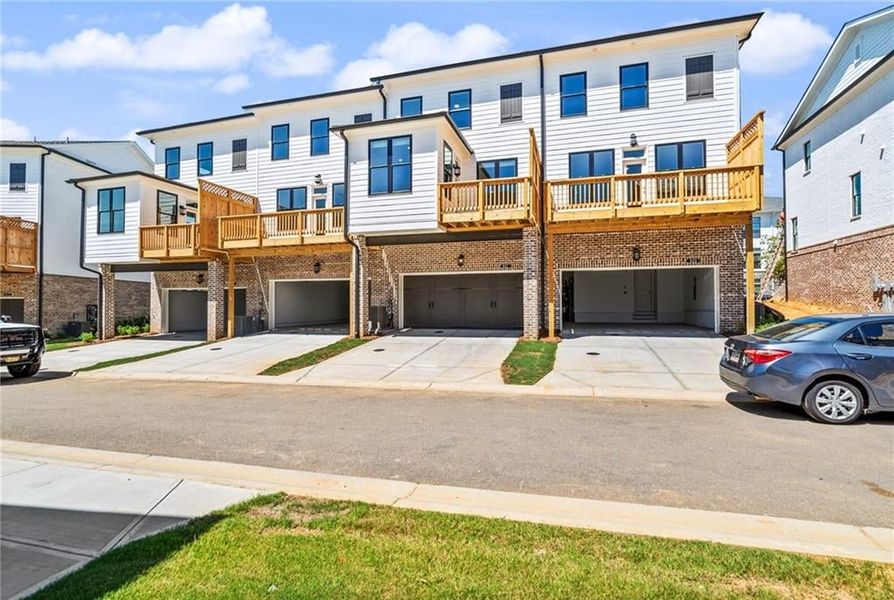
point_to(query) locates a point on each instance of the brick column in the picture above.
(106, 326)
(155, 292)
(531, 245)
(362, 277)
(217, 292)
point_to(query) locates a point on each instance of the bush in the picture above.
(87, 337)
(141, 321)
(131, 329)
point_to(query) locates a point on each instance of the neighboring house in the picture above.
(765, 224)
(42, 277)
(839, 172)
(608, 181)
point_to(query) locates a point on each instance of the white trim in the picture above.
(271, 289)
(400, 291)
(715, 268)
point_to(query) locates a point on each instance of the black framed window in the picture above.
(573, 91)
(172, 163)
(411, 106)
(240, 154)
(596, 163)
(110, 210)
(205, 158)
(510, 102)
(17, 172)
(807, 156)
(339, 193)
(496, 169)
(319, 137)
(856, 195)
(683, 155)
(390, 165)
(634, 86)
(363, 118)
(291, 198)
(700, 77)
(166, 208)
(459, 104)
(794, 233)
(279, 142)
(448, 159)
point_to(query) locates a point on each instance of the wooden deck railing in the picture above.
(691, 192)
(18, 245)
(169, 241)
(286, 228)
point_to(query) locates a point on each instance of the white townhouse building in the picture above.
(609, 181)
(765, 224)
(838, 154)
(44, 279)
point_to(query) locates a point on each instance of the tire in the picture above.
(24, 370)
(835, 402)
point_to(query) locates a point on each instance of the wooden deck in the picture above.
(18, 245)
(170, 241)
(282, 229)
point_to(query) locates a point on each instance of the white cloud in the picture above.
(782, 42)
(231, 84)
(10, 130)
(413, 45)
(232, 38)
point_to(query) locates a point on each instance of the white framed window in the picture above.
(856, 195)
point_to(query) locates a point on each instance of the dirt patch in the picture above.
(755, 586)
(297, 516)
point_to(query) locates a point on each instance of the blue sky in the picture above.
(104, 70)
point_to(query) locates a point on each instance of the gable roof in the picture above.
(357, 90)
(424, 116)
(113, 176)
(52, 150)
(802, 115)
(194, 123)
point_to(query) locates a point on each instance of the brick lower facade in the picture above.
(841, 275)
(21, 285)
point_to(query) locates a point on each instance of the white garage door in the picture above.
(187, 310)
(317, 302)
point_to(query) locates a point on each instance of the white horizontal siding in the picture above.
(20, 203)
(115, 157)
(113, 247)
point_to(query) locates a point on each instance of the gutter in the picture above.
(356, 262)
(784, 228)
(40, 221)
(99, 312)
(384, 105)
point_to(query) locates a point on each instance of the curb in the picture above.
(774, 533)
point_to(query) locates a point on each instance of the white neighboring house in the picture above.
(838, 154)
(765, 223)
(43, 280)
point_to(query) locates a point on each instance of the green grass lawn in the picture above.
(313, 357)
(287, 547)
(129, 359)
(529, 362)
(63, 343)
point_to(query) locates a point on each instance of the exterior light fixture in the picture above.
(456, 170)
(633, 142)
(200, 278)
(637, 254)
(317, 267)
(461, 260)
(318, 179)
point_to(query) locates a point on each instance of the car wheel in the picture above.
(24, 370)
(835, 402)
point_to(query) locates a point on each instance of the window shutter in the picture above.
(511, 102)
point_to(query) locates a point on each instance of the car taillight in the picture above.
(761, 356)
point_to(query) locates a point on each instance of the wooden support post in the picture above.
(231, 298)
(481, 200)
(749, 280)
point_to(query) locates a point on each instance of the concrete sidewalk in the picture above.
(57, 516)
(793, 535)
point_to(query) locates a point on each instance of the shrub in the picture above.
(129, 329)
(133, 322)
(87, 337)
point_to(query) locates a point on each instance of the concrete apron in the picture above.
(775, 533)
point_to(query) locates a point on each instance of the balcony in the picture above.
(280, 229)
(503, 203)
(18, 245)
(170, 241)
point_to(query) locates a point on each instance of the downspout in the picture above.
(784, 228)
(40, 214)
(544, 276)
(99, 312)
(356, 262)
(384, 103)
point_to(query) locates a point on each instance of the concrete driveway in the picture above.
(656, 358)
(56, 518)
(65, 361)
(242, 356)
(420, 357)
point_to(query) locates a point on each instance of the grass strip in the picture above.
(313, 357)
(53, 345)
(290, 547)
(130, 359)
(529, 362)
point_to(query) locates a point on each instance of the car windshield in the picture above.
(794, 330)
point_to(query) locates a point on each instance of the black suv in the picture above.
(21, 348)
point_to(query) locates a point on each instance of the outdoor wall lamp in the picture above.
(318, 179)
(317, 267)
(461, 260)
(200, 278)
(633, 142)
(456, 170)
(636, 254)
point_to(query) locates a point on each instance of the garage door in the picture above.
(187, 310)
(319, 302)
(486, 301)
(14, 308)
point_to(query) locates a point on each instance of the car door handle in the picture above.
(858, 356)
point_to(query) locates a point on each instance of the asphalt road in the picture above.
(740, 456)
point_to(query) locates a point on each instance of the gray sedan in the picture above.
(837, 367)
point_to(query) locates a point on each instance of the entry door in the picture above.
(644, 292)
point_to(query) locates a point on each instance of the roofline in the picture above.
(77, 180)
(432, 115)
(787, 135)
(564, 47)
(194, 123)
(51, 150)
(366, 88)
